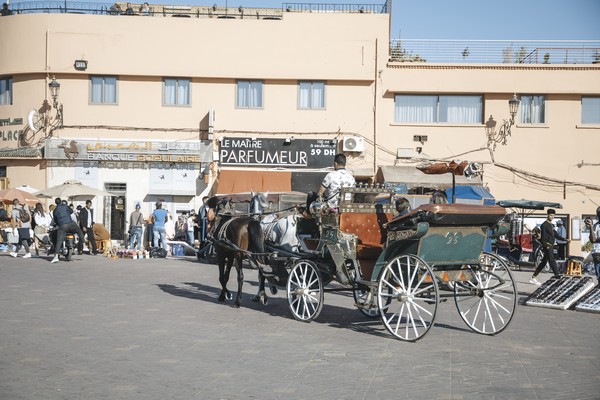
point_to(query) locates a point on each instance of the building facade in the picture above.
(242, 100)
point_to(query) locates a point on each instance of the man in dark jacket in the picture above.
(547, 241)
(86, 222)
(64, 222)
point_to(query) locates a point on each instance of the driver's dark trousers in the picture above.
(548, 258)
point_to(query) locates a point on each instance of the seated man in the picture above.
(100, 234)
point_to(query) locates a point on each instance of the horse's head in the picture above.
(259, 202)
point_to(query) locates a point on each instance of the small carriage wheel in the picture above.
(305, 291)
(407, 297)
(487, 301)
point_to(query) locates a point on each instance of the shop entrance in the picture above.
(114, 210)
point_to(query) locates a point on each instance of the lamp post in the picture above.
(500, 136)
(54, 87)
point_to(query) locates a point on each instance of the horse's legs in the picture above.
(240, 279)
(222, 279)
(261, 295)
(230, 260)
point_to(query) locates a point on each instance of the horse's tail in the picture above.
(256, 239)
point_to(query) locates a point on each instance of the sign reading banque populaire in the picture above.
(294, 153)
(128, 150)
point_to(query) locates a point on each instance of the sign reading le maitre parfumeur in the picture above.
(290, 153)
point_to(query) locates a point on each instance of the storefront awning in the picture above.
(23, 152)
(413, 178)
(239, 181)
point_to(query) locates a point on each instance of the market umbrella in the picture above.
(27, 188)
(8, 195)
(73, 190)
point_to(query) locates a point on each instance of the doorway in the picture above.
(114, 210)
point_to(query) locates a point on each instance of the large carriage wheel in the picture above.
(487, 301)
(407, 297)
(305, 291)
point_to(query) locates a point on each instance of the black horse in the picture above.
(235, 237)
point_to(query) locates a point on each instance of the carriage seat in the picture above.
(449, 214)
(368, 227)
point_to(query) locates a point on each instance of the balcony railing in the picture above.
(213, 11)
(495, 51)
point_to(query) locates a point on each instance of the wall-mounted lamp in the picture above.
(54, 87)
(500, 136)
(289, 140)
(80, 65)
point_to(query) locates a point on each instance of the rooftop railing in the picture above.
(213, 11)
(495, 51)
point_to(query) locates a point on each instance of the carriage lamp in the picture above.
(54, 87)
(500, 136)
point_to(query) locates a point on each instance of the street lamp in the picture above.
(54, 90)
(500, 136)
(54, 87)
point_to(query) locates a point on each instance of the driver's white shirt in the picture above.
(333, 182)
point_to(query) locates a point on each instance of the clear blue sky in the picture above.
(472, 19)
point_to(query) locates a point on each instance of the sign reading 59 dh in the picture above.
(285, 153)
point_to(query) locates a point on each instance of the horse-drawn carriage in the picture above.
(396, 267)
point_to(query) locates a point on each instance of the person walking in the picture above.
(42, 221)
(159, 217)
(561, 244)
(64, 221)
(136, 226)
(191, 227)
(21, 224)
(547, 241)
(595, 240)
(86, 223)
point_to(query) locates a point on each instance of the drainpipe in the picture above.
(375, 112)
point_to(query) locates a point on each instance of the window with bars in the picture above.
(103, 90)
(438, 109)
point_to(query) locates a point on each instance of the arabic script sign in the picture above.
(128, 150)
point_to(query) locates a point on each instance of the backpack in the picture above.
(24, 215)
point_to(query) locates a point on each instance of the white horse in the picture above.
(279, 227)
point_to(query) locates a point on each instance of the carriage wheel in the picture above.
(407, 297)
(305, 291)
(365, 297)
(487, 301)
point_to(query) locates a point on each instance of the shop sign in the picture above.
(155, 151)
(11, 132)
(285, 153)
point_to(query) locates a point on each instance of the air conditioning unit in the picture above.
(353, 143)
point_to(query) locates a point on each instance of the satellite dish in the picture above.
(34, 121)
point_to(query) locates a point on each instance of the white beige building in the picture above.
(178, 107)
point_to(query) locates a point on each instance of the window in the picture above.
(311, 95)
(590, 110)
(176, 92)
(6, 93)
(533, 109)
(438, 109)
(104, 90)
(249, 94)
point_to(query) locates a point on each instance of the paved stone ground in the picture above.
(96, 328)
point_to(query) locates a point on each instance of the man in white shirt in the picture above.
(335, 180)
(595, 239)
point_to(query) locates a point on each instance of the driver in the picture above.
(64, 222)
(595, 239)
(332, 183)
